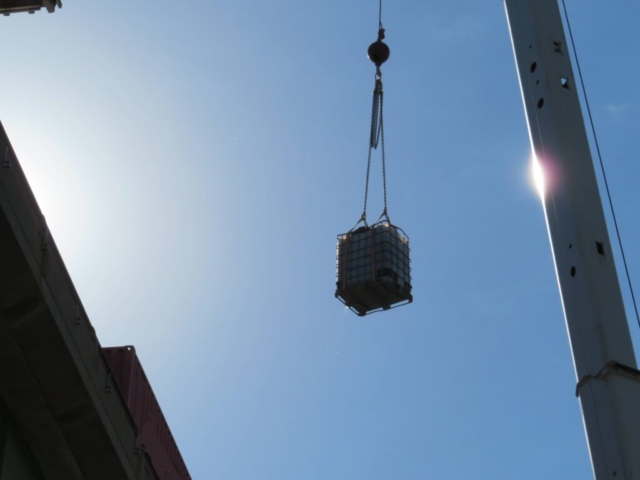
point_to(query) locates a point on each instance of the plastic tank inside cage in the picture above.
(373, 269)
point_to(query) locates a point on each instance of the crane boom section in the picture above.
(608, 382)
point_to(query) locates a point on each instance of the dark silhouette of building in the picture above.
(60, 415)
(7, 7)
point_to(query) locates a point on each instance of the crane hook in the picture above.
(378, 51)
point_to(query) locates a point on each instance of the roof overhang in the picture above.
(7, 7)
(54, 378)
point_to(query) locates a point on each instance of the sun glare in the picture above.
(537, 174)
(57, 189)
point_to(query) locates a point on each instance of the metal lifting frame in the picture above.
(608, 380)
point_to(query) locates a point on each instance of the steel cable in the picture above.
(604, 175)
(384, 167)
(376, 137)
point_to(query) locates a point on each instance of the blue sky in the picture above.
(195, 164)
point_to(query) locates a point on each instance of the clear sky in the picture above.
(195, 162)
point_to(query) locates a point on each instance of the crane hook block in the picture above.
(378, 51)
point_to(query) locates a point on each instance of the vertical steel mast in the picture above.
(608, 384)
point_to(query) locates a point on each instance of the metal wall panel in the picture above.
(154, 434)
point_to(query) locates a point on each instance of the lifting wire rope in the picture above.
(376, 138)
(378, 53)
(602, 169)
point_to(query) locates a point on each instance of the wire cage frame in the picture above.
(373, 268)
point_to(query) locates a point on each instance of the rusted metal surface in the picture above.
(154, 434)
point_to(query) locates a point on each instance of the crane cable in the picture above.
(376, 136)
(604, 175)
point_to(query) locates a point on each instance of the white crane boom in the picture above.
(608, 380)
